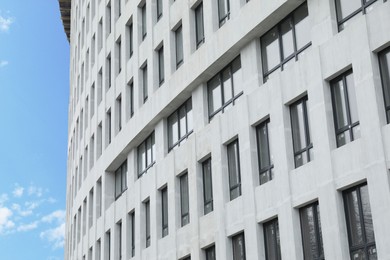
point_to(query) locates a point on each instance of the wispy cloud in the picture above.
(35, 191)
(5, 219)
(55, 236)
(5, 23)
(3, 63)
(18, 191)
(3, 198)
(27, 227)
(58, 215)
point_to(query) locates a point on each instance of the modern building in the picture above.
(228, 129)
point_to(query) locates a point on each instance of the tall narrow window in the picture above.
(145, 154)
(266, 172)
(359, 223)
(199, 25)
(119, 55)
(286, 41)
(108, 245)
(210, 253)
(119, 113)
(118, 9)
(272, 240)
(345, 113)
(164, 211)
(91, 152)
(99, 198)
(147, 223)
(161, 71)
(108, 19)
(93, 52)
(90, 208)
(384, 62)
(99, 140)
(159, 9)
(121, 179)
(238, 245)
(346, 9)
(223, 11)
(301, 133)
(311, 232)
(234, 170)
(119, 239)
(225, 88)
(98, 250)
(100, 35)
(180, 125)
(108, 127)
(184, 200)
(100, 86)
(131, 48)
(179, 46)
(207, 187)
(143, 21)
(132, 234)
(131, 99)
(92, 102)
(145, 83)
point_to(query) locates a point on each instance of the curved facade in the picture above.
(229, 130)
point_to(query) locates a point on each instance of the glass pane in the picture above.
(238, 247)
(233, 164)
(164, 195)
(124, 176)
(214, 94)
(118, 183)
(298, 126)
(208, 189)
(321, 252)
(223, 8)
(272, 240)
(199, 23)
(262, 139)
(141, 158)
(353, 218)
(372, 253)
(356, 132)
(352, 98)
(173, 130)
(182, 122)
(270, 50)
(309, 232)
(190, 125)
(287, 38)
(302, 27)
(148, 152)
(184, 194)
(153, 147)
(385, 73)
(210, 253)
(367, 218)
(161, 64)
(179, 45)
(346, 7)
(339, 104)
(227, 85)
(144, 20)
(237, 76)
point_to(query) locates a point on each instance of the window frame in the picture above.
(267, 169)
(235, 239)
(145, 93)
(362, 9)
(184, 216)
(208, 250)
(179, 52)
(151, 137)
(122, 171)
(208, 204)
(226, 17)
(147, 223)
(144, 31)
(161, 65)
(199, 24)
(176, 113)
(275, 224)
(164, 209)
(382, 67)
(234, 186)
(159, 9)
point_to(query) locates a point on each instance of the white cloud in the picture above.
(55, 236)
(34, 190)
(3, 63)
(58, 215)
(27, 227)
(3, 198)
(18, 191)
(5, 23)
(5, 222)
(24, 213)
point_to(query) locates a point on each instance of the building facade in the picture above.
(228, 129)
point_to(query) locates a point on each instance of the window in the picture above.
(91, 153)
(199, 25)
(159, 9)
(161, 72)
(119, 239)
(184, 200)
(147, 223)
(384, 62)
(286, 41)
(99, 198)
(301, 133)
(234, 170)
(132, 234)
(145, 152)
(119, 113)
(99, 140)
(98, 249)
(207, 187)
(121, 179)
(238, 245)
(266, 166)
(119, 55)
(108, 127)
(108, 71)
(359, 223)
(225, 88)
(143, 21)
(130, 29)
(108, 245)
(90, 209)
(145, 83)
(311, 232)
(346, 9)
(210, 253)
(164, 211)
(179, 46)
(131, 99)
(345, 114)
(100, 35)
(92, 103)
(108, 19)
(100, 87)
(180, 125)
(186, 258)
(223, 11)
(118, 9)
(272, 240)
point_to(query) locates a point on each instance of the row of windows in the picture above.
(358, 219)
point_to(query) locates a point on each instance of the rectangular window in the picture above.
(132, 234)
(180, 125)
(238, 245)
(184, 200)
(108, 71)
(131, 99)
(90, 209)
(384, 62)
(161, 72)
(100, 86)
(99, 140)
(359, 223)
(346, 9)
(108, 245)
(286, 41)
(84, 216)
(98, 250)
(91, 152)
(118, 9)
(86, 113)
(143, 21)
(311, 232)
(234, 169)
(303, 146)
(225, 88)
(179, 46)
(99, 198)
(159, 9)
(108, 19)
(145, 83)
(272, 240)
(207, 187)
(345, 115)
(210, 253)
(90, 253)
(147, 223)
(199, 25)
(119, 113)
(223, 11)
(164, 211)
(145, 154)
(121, 179)
(108, 127)
(119, 55)
(130, 26)
(266, 166)
(119, 239)
(93, 53)
(100, 35)
(92, 102)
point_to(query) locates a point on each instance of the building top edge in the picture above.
(65, 9)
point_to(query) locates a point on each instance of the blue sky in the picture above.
(34, 88)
